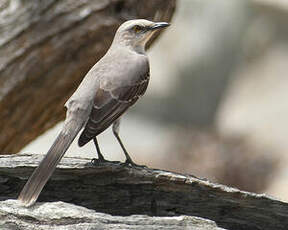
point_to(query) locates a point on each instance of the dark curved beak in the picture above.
(159, 25)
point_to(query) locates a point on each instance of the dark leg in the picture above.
(100, 156)
(115, 129)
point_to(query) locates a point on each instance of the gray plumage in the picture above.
(116, 92)
(112, 85)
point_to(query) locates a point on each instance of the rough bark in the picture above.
(121, 190)
(46, 47)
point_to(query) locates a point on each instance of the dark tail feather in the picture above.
(42, 173)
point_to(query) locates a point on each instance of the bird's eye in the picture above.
(137, 28)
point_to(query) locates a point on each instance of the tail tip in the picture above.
(26, 202)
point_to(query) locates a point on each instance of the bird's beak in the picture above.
(159, 25)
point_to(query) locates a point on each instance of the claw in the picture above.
(132, 164)
(96, 161)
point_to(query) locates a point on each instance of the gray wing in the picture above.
(113, 99)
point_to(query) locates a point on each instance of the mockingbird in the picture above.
(111, 86)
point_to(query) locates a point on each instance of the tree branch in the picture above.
(120, 190)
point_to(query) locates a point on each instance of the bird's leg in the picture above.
(115, 128)
(100, 156)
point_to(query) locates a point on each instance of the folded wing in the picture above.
(113, 99)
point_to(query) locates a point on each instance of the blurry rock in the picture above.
(255, 105)
(202, 46)
(231, 161)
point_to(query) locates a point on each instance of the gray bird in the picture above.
(111, 86)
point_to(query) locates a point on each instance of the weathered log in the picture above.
(46, 47)
(121, 190)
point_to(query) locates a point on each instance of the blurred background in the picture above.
(216, 106)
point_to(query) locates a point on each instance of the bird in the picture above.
(109, 88)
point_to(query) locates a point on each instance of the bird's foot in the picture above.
(132, 164)
(97, 161)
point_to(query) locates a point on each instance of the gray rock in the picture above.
(60, 215)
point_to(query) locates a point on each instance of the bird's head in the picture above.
(136, 33)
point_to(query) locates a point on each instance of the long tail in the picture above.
(42, 173)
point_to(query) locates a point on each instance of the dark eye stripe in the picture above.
(138, 28)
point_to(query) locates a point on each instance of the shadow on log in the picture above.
(120, 190)
(46, 48)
